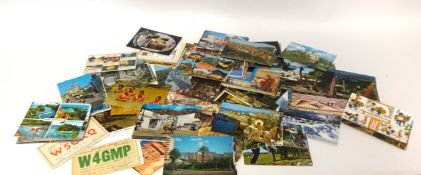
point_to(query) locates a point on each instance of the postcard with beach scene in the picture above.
(192, 55)
(211, 155)
(154, 153)
(304, 55)
(347, 83)
(154, 41)
(156, 58)
(158, 122)
(111, 62)
(259, 53)
(87, 88)
(385, 122)
(216, 41)
(49, 122)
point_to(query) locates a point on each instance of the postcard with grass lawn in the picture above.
(111, 62)
(191, 56)
(154, 153)
(385, 122)
(154, 41)
(211, 155)
(216, 41)
(304, 55)
(259, 53)
(255, 127)
(156, 58)
(347, 83)
(202, 89)
(49, 122)
(113, 123)
(157, 122)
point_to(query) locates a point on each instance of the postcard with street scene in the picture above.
(154, 153)
(385, 122)
(308, 56)
(154, 41)
(203, 89)
(156, 58)
(255, 127)
(48, 122)
(157, 122)
(259, 53)
(115, 122)
(111, 62)
(87, 88)
(216, 41)
(192, 55)
(347, 83)
(211, 155)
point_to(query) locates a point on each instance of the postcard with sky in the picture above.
(308, 56)
(347, 83)
(154, 41)
(201, 155)
(193, 55)
(259, 53)
(216, 41)
(111, 62)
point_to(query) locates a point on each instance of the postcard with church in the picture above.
(383, 121)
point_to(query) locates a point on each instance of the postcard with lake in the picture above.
(111, 62)
(259, 53)
(216, 41)
(87, 88)
(206, 155)
(154, 41)
(385, 122)
(347, 83)
(308, 56)
(49, 122)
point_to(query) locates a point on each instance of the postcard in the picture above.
(153, 157)
(263, 80)
(234, 96)
(58, 153)
(385, 122)
(178, 81)
(116, 122)
(154, 41)
(111, 62)
(128, 96)
(48, 122)
(191, 56)
(309, 57)
(160, 73)
(279, 155)
(201, 155)
(215, 68)
(108, 158)
(317, 104)
(255, 127)
(87, 88)
(156, 58)
(158, 122)
(347, 83)
(207, 107)
(216, 41)
(203, 89)
(259, 53)
(238, 70)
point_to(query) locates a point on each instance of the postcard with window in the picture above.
(216, 41)
(111, 62)
(347, 83)
(87, 88)
(191, 56)
(156, 58)
(154, 153)
(385, 122)
(301, 55)
(200, 155)
(154, 41)
(50, 122)
(157, 122)
(259, 53)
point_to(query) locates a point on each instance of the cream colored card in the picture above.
(108, 158)
(58, 153)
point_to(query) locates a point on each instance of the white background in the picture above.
(46, 42)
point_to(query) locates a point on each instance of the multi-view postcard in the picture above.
(157, 58)
(111, 62)
(385, 122)
(216, 41)
(47, 122)
(192, 55)
(87, 88)
(215, 68)
(154, 41)
(157, 122)
(211, 155)
(259, 53)
(347, 83)
(301, 55)
(153, 156)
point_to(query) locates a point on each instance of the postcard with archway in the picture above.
(50, 122)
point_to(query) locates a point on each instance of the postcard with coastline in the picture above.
(156, 58)
(87, 88)
(154, 153)
(50, 122)
(308, 56)
(154, 41)
(207, 155)
(347, 83)
(216, 41)
(157, 122)
(259, 53)
(192, 55)
(385, 122)
(111, 62)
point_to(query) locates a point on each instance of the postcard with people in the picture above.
(264, 80)
(200, 155)
(203, 89)
(385, 122)
(192, 55)
(154, 41)
(128, 96)
(156, 58)
(111, 62)
(114, 123)
(87, 88)
(259, 53)
(347, 83)
(154, 153)
(58, 153)
(309, 57)
(50, 122)
(216, 41)
(255, 127)
(157, 122)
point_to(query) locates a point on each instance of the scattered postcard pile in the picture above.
(197, 108)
